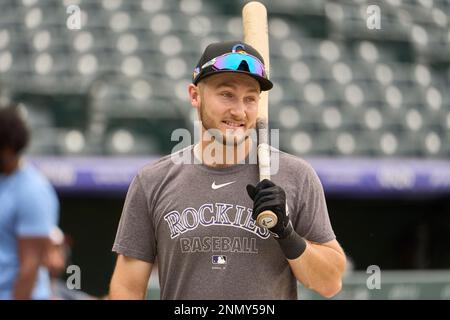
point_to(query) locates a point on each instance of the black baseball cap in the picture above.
(220, 48)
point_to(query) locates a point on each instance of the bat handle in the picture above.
(267, 219)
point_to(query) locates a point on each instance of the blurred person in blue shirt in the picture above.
(29, 210)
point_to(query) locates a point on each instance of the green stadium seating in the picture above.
(335, 80)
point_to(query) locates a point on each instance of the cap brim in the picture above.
(264, 84)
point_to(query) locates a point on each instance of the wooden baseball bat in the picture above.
(256, 34)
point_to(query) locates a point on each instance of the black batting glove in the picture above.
(266, 195)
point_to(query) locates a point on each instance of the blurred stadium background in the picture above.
(369, 109)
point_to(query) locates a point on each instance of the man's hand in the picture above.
(268, 196)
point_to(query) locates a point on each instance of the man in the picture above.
(28, 212)
(199, 221)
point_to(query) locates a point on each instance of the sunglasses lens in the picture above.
(234, 61)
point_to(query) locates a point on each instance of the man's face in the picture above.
(228, 102)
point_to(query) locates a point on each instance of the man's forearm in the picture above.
(320, 268)
(121, 292)
(24, 284)
(130, 279)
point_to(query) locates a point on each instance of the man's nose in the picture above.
(238, 110)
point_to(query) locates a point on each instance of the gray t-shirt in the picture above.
(197, 220)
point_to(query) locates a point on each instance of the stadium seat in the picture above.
(304, 142)
(333, 76)
(125, 142)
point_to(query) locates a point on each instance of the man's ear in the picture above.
(194, 95)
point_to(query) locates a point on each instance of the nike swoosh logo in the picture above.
(218, 186)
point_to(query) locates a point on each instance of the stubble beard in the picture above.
(216, 133)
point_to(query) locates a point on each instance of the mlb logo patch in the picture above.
(219, 259)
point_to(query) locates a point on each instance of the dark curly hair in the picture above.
(14, 132)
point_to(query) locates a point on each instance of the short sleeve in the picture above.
(313, 221)
(135, 236)
(37, 212)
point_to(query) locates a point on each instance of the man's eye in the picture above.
(227, 94)
(251, 100)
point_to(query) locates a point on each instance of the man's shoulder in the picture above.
(29, 176)
(34, 190)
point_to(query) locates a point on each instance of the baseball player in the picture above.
(29, 210)
(199, 219)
